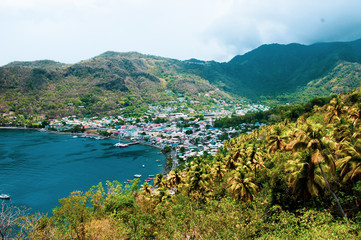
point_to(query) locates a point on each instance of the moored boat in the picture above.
(4, 196)
(137, 175)
(121, 145)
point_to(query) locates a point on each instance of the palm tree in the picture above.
(344, 130)
(174, 178)
(241, 187)
(161, 194)
(304, 178)
(335, 109)
(231, 161)
(355, 114)
(350, 163)
(218, 170)
(276, 141)
(255, 159)
(199, 182)
(159, 180)
(146, 188)
(319, 147)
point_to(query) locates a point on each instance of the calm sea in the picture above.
(38, 168)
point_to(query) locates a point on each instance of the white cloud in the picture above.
(69, 31)
(249, 24)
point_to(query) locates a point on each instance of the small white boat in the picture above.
(4, 196)
(137, 175)
(121, 145)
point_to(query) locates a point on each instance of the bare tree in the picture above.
(15, 222)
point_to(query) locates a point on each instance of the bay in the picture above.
(38, 168)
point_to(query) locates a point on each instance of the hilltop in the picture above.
(271, 74)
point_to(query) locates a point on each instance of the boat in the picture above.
(150, 175)
(143, 166)
(121, 145)
(157, 160)
(4, 196)
(137, 175)
(147, 180)
(159, 165)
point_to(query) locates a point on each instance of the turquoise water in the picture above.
(38, 168)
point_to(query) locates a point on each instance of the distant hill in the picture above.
(271, 73)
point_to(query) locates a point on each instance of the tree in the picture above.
(159, 180)
(355, 114)
(350, 163)
(15, 223)
(199, 181)
(73, 214)
(276, 141)
(218, 171)
(304, 180)
(242, 187)
(335, 109)
(174, 178)
(167, 149)
(318, 146)
(146, 188)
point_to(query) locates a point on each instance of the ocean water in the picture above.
(38, 168)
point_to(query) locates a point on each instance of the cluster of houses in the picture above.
(186, 137)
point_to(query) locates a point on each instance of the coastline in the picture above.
(166, 168)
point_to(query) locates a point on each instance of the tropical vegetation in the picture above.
(294, 179)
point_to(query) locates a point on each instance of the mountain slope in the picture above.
(274, 69)
(101, 85)
(273, 73)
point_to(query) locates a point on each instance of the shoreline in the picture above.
(166, 168)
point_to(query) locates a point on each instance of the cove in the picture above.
(38, 168)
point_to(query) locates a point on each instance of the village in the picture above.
(182, 135)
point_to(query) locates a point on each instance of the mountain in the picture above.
(271, 73)
(274, 69)
(101, 85)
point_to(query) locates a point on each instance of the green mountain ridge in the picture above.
(271, 73)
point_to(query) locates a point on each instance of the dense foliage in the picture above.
(274, 115)
(291, 180)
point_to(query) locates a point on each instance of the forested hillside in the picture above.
(293, 180)
(272, 74)
(98, 86)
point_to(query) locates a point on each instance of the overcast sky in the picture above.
(73, 30)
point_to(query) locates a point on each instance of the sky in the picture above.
(70, 31)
